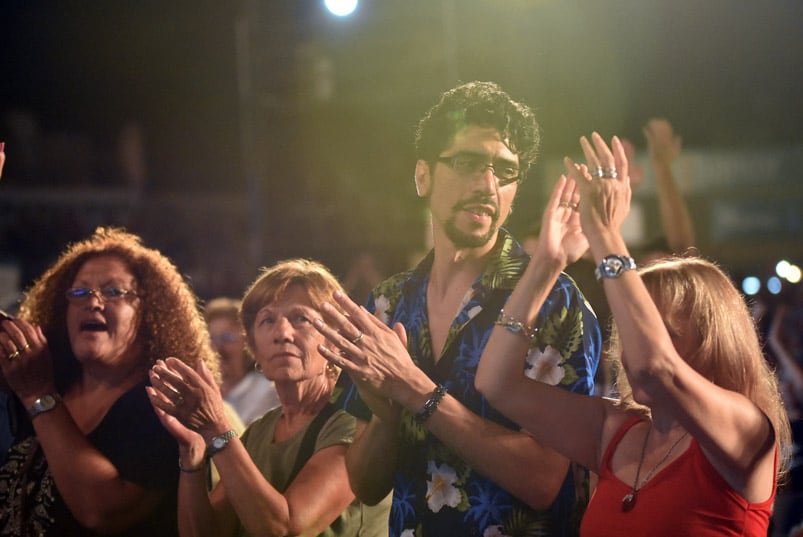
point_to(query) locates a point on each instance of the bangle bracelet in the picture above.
(190, 470)
(516, 326)
(432, 403)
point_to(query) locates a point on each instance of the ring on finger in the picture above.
(13, 355)
(179, 401)
(597, 172)
(609, 172)
(357, 339)
(26, 348)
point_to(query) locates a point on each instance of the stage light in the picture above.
(341, 8)
(751, 285)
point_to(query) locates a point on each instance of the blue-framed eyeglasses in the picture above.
(104, 294)
(472, 165)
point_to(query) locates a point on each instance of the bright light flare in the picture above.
(341, 8)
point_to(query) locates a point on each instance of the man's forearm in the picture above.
(372, 459)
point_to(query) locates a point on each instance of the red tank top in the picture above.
(686, 498)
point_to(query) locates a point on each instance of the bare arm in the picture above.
(663, 147)
(312, 501)
(91, 486)
(538, 407)
(514, 460)
(372, 459)
(733, 432)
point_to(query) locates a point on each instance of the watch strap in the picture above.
(217, 443)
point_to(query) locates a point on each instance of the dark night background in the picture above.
(273, 129)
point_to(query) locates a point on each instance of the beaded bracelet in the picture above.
(516, 326)
(190, 470)
(432, 403)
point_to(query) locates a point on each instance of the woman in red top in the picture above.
(696, 443)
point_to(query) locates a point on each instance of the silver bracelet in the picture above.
(516, 326)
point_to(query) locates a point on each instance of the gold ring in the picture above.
(357, 339)
(565, 204)
(13, 355)
(26, 348)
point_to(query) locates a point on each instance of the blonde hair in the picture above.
(170, 321)
(699, 301)
(314, 277)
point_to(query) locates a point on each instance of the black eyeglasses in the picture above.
(470, 165)
(104, 294)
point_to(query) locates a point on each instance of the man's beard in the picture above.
(466, 240)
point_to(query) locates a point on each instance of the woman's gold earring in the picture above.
(332, 369)
(257, 367)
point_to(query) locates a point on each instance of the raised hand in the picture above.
(663, 145)
(604, 186)
(190, 396)
(561, 236)
(372, 354)
(26, 363)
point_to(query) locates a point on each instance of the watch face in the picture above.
(218, 442)
(46, 402)
(613, 266)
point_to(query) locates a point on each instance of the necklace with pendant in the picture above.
(629, 499)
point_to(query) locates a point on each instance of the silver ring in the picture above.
(356, 339)
(596, 172)
(609, 173)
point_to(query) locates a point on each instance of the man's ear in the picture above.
(423, 179)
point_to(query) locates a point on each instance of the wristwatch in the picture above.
(217, 443)
(44, 403)
(613, 266)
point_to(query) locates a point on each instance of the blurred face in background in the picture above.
(229, 342)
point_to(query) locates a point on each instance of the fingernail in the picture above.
(338, 294)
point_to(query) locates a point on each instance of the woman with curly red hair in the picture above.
(89, 453)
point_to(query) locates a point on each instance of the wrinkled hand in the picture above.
(26, 363)
(561, 236)
(604, 202)
(662, 143)
(191, 397)
(378, 363)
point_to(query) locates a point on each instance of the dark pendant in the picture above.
(628, 502)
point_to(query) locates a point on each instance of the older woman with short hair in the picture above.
(287, 474)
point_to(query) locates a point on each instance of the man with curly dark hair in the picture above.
(89, 453)
(456, 465)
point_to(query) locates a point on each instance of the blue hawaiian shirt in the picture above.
(435, 492)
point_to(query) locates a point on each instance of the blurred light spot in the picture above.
(782, 268)
(341, 8)
(794, 274)
(751, 285)
(774, 285)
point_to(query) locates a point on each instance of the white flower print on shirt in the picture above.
(440, 489)
(545, 366)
